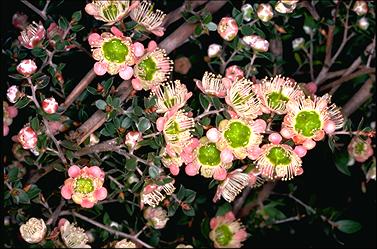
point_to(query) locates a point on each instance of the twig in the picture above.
(206, 113)
(56, 213)
(36, 10)
(293, 218)
(250, 65)
(108, 145)
(152, 135)
(225, 63)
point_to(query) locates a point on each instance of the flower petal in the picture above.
(126, 73)
(74, 171)
(100, 68)
(86, 203)
(66, 192)
(95, 171)
(100, 194)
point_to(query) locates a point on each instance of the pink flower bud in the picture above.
(329, 127)
(138, 49)
(312, 87)
(213, 135)
(275, 138)
(226, 156)
(234, 72)
(50, 105)
(256, 42)
(214, 50)
(19, 20)
(27, 67)
(300, 151)
(299, 171)
(13, 94)
(265, 12)
(27, 138)
(227, 28)
(182, 65)
(309, 144)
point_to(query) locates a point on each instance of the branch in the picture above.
(36, 10)
(109, 145)
(208, 113)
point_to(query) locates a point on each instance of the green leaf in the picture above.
(204, 227)
(211, 26)
(106, 219)
(341, 162)
(192, 19)
(69, 145)
(23, 102)
(33, 192)
(34, 123)
(76, 28)
(223, 209)
(101, 104)
(131, 164)
(246, 30)
(126, 123)
(21, 196)
(143, 125)
(63, 23)
(13, 174)
(153, 172)
(38, 52)
(348, 226)
(189, 212)
(149, 102)
(204, 101)
(76, 16)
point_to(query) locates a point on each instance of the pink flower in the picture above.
(27, 138)
(256, 42)
(213, 85)
(227, 232)
(234, 72)
(360, 7)
(27, 67)
(84, 186)
(214, 50)
(132, 139)
(265, 12)
(227, 28)
(150, 20)
(32, 35)
(233, 184)
(19, 20)
(360, 149)
(153, 194)
(50, 105)
(13, 94)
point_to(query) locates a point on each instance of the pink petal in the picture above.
(94, 39)
(12, 111)
(5, 130)
(136, 84)
(213, 223)
(213, 135)
(309, 144)
(187, 157)
(158, 31)
(259, 125)
(174, 170)
(126, 73)
(240, 235)
(133, 5)
(95, 171)
(100, 194)
(300, 151)
(286, 133)
(227, 83)
(226, 156)
(160, 123)
(329, 127)
(62, 222)
(192, 169)
(86, 203)
(152, 45)
(220, 174)
(229, 216)
(275, 138)
(100, 68)
(74, 171)
(138, 49)
(91, 9)
(66, 192)
(116, 31)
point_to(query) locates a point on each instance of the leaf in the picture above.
(153, 172)
(143, 125)
(348, 226)
(341, 161)
(149, 102)
(76, 16)
(76, 28)
(38, 52)
(63, 23)
(21, 196)
(204, 227)
(189, 212)
(223, 209)
(211, 26)
(13, 174)
(131, 164)
(23, 102)
(101, 104)
(246, 30)
(34, 123)
(204, 101)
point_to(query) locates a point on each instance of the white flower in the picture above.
(156, 217)
(13, 94)
(363, 23)
(73, 237)
(247, 9)
(214, 50)
(298, 43)
(33, 231)
(308, 30)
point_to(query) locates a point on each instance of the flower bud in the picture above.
(50, 105)
(13, 94)
(214, 50)
(93, 139)
(19, 20)
(156, 217)
(360, 7)
(234, 72)
(363, 23)
(27, 67)
(285, 7)
(132, 139)
(32, 35)
(265, 12)
(227, 28)
(33, 231)
(182, 65)
(27, 138)
(298, 43)
(256, 42)
(247, 10)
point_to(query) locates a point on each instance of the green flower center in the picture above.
(359, 148)
(148, 68)
(240, 100)
(209, 155)
(237, 135)
(173, 128)
(223, 235)
(278, 156)
(84, 185)
(115, 51)
(110, 12)
(276, 100)
(307, 123)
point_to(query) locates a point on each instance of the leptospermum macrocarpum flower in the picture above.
(152, 194)
(227, 232)
(213, 85)
(50, 105)
(125, 243)
(275, 93)
(114, 53)
(84, 186)
(72, 236)
(147, 19)
(170, 96)
(232, 185)
(227, 28)
(152, 69)
(156, 217)
(26, 67)
(110, 11)
(308, 120)
(32, 35)
(360, 149)
(209, 159)
(33, 231)
(28, 138)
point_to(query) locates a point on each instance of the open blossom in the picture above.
(150, 20)
(156, 217)
(27, 138)
(110, 11)
(287, 6)
(233, 184)
(256, 42)
(265, 12)
(242, 99)
(240, 137)
(360, 7)
(278, 161)
(234, 72)
(308, 120)
(227, 28)
(27, 67)
(171, 96)
(72, 236)
(113, 52)
(19, 20)
(124, 243)
(84, 185)
(13, 94)
(207, 157)
(50, 105)
(153, 194)
(227, 232)
(214, 50)
(132, 139)
(152, 69)
(32, 35)
(33, 231)
(360, 149)
(212, 85)
(275, 93)
(184, 246)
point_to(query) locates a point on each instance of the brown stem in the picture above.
(35, 9)
(108, 145)
(176, 14)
